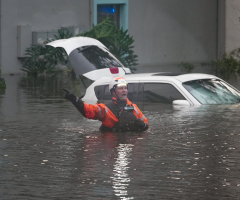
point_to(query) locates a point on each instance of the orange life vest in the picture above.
(102, 113)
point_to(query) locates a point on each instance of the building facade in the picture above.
(166, 32)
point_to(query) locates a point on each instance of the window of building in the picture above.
(108, 10)
(117, 11)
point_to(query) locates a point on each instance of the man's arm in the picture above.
(78, 103)
(90, 111)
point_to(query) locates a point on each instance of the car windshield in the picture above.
(212, 91)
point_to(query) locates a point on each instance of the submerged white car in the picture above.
(92, 61)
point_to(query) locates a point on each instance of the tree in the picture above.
(119, 43)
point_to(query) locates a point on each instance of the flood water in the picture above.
(49, 151)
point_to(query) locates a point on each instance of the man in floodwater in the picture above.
(119, 115)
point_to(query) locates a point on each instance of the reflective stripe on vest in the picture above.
(99, 113)
(106, 111)
(136, 110)
(143, 117)
(100, 117)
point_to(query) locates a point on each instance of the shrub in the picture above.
(187, 67)
(228, 65)
(43, 59)
(2, 83)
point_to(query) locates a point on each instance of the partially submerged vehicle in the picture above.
(92, 61)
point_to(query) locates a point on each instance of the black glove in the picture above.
(77, 102)
(70, 96)
(141, 124)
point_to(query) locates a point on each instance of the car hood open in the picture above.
(90, 58)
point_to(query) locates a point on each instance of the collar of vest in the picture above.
(116, 101)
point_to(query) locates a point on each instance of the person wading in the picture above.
(119, 115)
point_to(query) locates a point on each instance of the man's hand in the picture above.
(70, 96)
(140, 123)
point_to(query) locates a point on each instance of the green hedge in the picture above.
(228, 65)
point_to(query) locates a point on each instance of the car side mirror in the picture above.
(181, 102)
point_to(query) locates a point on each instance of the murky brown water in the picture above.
(49, 151)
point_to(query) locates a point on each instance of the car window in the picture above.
(210, 91)
(134, 92)
(99, 91)
(106, 94)
(160, 93)
(103, 94)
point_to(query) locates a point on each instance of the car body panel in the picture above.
(175, 81)
(95, 75)
(90, 58)
(75, 42)
(140, 78)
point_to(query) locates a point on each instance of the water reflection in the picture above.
(121, 178)
(49, 151)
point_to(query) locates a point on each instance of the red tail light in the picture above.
(114, 70)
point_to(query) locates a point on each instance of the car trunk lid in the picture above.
(90, 58)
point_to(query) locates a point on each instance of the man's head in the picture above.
(118, 88)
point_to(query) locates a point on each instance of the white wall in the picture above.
(166, 32)
(41, 15)
(169, 32)
(232, 30)
(221, 27)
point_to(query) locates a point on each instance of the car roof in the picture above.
(168, 76)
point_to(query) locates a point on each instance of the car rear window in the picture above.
(89, 58)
